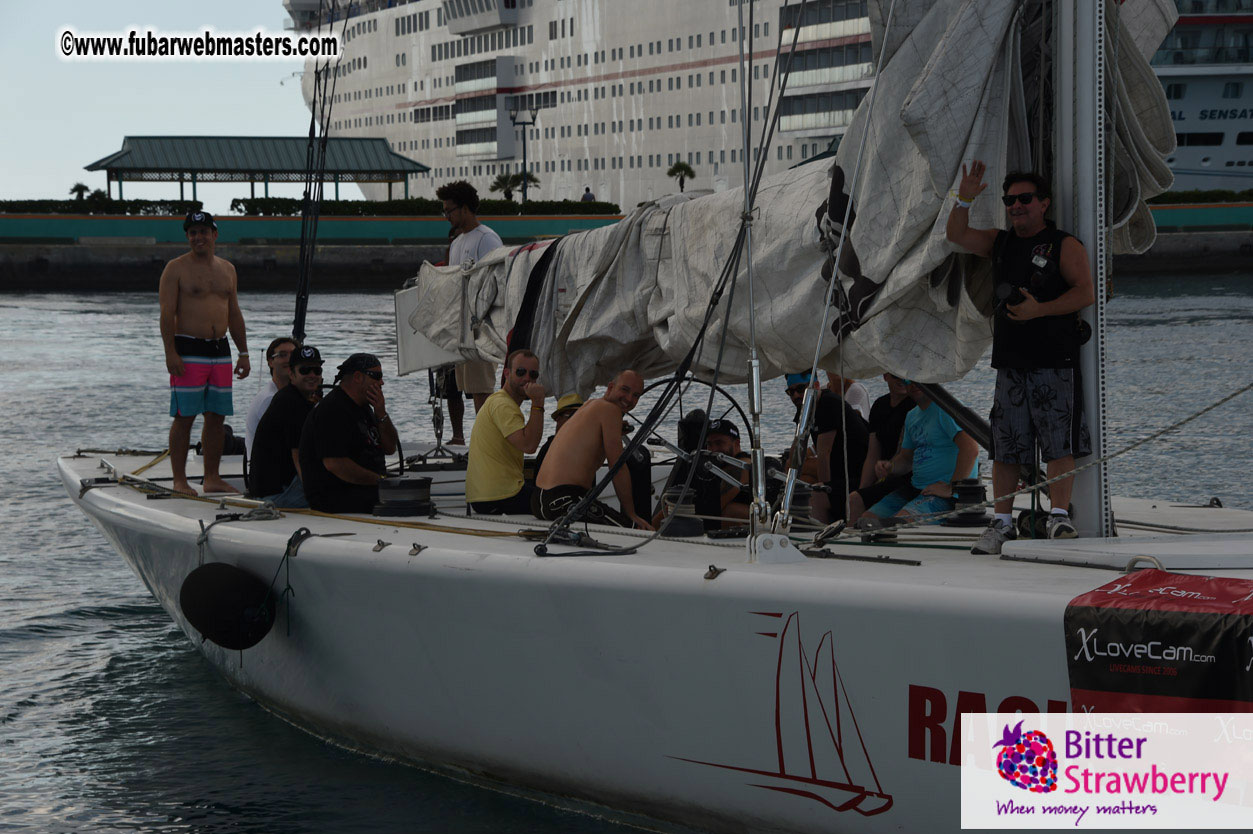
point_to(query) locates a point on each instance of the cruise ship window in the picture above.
(711, 117)
(632, 53)
(1233, 89)
(698, 41)
(732, 76)
(1245, 138)
(670, 44)
(650, 47)
(722, 117)
(689, 157)
(689, 41)
(789, 151)
(698, 157)
(756, 30)
(724, 36)
(722, 156)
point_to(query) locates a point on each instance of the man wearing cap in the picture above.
(1042, 277)
(276, 357)
(346, 438)
(199, 306)
(723, 438)
(840, 438)
(473, 242)
(593, 437)
(276, 447)
(500, 437)
(566, 406)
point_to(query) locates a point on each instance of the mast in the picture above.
(1081, 181)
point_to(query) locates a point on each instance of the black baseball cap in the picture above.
(200, 218)
(357, 362)
(307, 355)
(723, 426)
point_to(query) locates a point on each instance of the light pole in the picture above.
(513, 117)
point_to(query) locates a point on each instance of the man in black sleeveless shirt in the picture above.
(1042, 281)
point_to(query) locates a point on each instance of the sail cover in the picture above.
(959, 80)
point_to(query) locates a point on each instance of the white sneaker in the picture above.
(1061, 527)
(996, 534)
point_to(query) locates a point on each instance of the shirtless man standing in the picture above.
(592, 436)
(199, 305)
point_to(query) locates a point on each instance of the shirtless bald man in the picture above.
(591, 437)
(199, 305)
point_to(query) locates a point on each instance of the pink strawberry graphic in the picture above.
(1028, 760)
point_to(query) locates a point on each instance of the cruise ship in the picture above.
(605, 96)
(618, 91)
(1206, 67)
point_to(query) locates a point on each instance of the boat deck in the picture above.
(1177, 537)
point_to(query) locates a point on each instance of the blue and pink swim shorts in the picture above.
(205, 384)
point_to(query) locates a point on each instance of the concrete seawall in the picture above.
(100, 266)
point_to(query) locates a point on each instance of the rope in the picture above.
(265, 512)
(928, 517)
(162, 456)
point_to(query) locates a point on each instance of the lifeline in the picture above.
(1152, 781)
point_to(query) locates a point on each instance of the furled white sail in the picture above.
(960, 79)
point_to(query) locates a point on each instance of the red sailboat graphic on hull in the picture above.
(820, 753)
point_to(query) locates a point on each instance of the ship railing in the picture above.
(1202, 55)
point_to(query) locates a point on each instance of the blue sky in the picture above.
(62, 115)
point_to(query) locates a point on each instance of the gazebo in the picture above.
(251, 159)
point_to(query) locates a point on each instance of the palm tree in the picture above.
(682, 172)
(79, 191)
(505, 183)
(532, 181)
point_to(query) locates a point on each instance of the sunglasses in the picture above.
(1025, 198)
(373, 374)
(305, 370)
(521, 372)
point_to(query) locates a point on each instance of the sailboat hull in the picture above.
(631, 682)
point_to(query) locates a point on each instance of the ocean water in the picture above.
(111, 721)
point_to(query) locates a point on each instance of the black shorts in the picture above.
(551, 504)
(517, 504)
(1033, 406)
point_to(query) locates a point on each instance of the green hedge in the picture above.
(101, 205)
(1215, 196)
(413, 207)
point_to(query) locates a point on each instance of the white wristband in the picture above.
(963, 203)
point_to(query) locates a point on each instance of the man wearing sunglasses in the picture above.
(1042, 278)
(275, 456)
(500, 438)
(346, 438)
(473, 242)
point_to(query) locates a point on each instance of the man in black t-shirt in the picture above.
(346, 439)
(1043, 279)
(840, 439)
(275, 473)
(887, 420)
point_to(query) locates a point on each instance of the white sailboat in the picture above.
(695, 681)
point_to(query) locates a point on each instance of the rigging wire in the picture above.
(729, 272)
(321, 102)
(807, 405)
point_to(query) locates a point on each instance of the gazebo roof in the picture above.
(252, 158)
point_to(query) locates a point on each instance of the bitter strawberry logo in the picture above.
(1028, 760)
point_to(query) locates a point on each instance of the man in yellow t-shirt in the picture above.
(500, 437)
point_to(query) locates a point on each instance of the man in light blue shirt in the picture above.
(936, 452)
